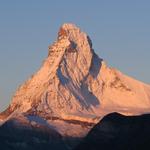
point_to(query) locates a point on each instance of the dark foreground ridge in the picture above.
(14, 136)
(118, 132)
(18, 135)
(113, 132)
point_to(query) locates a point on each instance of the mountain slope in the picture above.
(119, 132)
(74, 88)
(17, 134)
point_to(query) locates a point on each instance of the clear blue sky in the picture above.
(120, 30)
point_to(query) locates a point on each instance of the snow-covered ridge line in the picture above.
(78, 121)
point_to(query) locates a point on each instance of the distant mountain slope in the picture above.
(118, 132)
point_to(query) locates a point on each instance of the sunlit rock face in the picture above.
(74, 88)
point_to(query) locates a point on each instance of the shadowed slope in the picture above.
(118, 132)
(18, 135)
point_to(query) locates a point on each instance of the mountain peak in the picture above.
(70, 26)
(74, 85)
(73, 33)
(66, 29)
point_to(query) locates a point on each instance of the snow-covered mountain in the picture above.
(74, 88)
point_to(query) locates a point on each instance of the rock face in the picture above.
(74, 88)
(119, 132)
